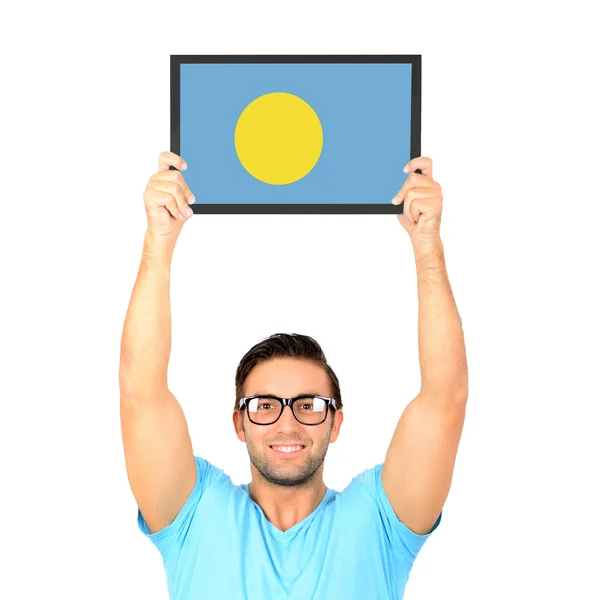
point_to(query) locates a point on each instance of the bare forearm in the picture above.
(146, 340)
(442, 355)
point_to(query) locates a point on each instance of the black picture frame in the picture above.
(415, 127)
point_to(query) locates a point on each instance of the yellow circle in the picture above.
(278, 138)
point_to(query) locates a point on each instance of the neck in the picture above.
(285, 506)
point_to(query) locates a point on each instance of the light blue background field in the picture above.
(364, 109)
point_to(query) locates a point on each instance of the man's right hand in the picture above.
(166, 198)
(159, 457)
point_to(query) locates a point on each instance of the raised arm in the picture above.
(419, 463)
(158, 451)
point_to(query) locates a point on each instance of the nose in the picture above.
(287, 419)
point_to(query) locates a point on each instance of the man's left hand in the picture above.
(422, 197)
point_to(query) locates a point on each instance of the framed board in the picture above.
(296, 133)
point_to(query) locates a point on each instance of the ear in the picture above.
(237, 424)
(338, 418)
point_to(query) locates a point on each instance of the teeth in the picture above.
(287, 448)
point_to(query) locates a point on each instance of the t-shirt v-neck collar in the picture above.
(285, 536)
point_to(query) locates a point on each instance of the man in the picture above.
(285, 535)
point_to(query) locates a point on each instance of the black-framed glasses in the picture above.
(308, 409)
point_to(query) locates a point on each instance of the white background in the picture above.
(510, 119)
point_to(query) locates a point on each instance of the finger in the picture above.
(406, 221)
(177, 177)
(170, 159)
(422, 162)
(409, 197)
(420, 199)
(414, 180)
(176, 203)
(418, 193)
(163, 199)
(409, 216)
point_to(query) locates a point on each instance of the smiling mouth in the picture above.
(287, 450)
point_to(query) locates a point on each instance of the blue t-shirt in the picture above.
(220, 545)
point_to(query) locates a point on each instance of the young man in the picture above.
(285, 535)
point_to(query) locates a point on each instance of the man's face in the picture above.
(287, 378)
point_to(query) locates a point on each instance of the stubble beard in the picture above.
(276, 472)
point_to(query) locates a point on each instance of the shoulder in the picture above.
(365, 499)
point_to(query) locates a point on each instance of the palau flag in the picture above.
(304, 134)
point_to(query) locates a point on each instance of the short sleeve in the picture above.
(176, 531)
(404, 541)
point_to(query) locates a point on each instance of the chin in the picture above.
(292, 471)
(283, 477)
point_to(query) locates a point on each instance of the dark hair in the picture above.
(285, 345)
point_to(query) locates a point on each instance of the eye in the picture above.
(265, 405)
